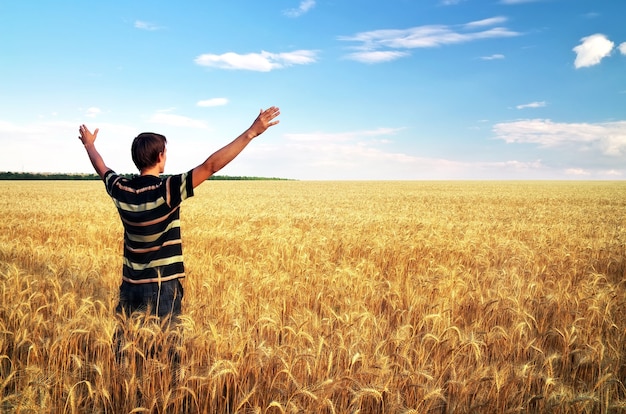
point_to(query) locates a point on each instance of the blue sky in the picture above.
(368, 90)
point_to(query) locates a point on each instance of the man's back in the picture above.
(149, 208)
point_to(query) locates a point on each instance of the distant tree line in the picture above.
(45, 176)
(6, 175)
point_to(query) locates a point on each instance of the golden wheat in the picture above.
(327, 297)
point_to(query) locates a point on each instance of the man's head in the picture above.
(147, 150)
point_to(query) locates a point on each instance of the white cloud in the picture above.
(146, 26)
(592, 50)
(166, 118)
(351, 155)
(93, 112)
(532, 105)
(389, 44)
(492, 21)
(261, 62)
(611, 173)
(54, 146)
(608, 138)
(341, 136)
(305, 6)
(339, 156)
(496, 56)
(213, 102)
(376, 56)
(12, 128)
(622, 48)
(577, 171)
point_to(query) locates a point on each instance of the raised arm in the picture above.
(223, 156)
(88, 139)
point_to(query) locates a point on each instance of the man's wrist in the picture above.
(250, 134)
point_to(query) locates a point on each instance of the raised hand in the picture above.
(264, 120)
(86, 137)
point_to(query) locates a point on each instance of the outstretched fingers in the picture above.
(269, 115)
(85, 135)
(266, 119)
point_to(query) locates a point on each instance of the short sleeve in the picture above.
(179, 187)
(110, 178)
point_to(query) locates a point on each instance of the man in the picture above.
(149, 207)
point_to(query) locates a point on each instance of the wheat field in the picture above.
(324, 297)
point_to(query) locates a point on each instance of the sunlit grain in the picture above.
(325, 297)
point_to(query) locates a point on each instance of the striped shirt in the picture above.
(149, 207)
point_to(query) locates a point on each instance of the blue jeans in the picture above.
(162, 302)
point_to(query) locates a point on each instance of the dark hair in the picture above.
(146, 149)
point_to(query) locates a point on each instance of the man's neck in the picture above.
(151, 171)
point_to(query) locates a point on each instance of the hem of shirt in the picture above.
(152, 280)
